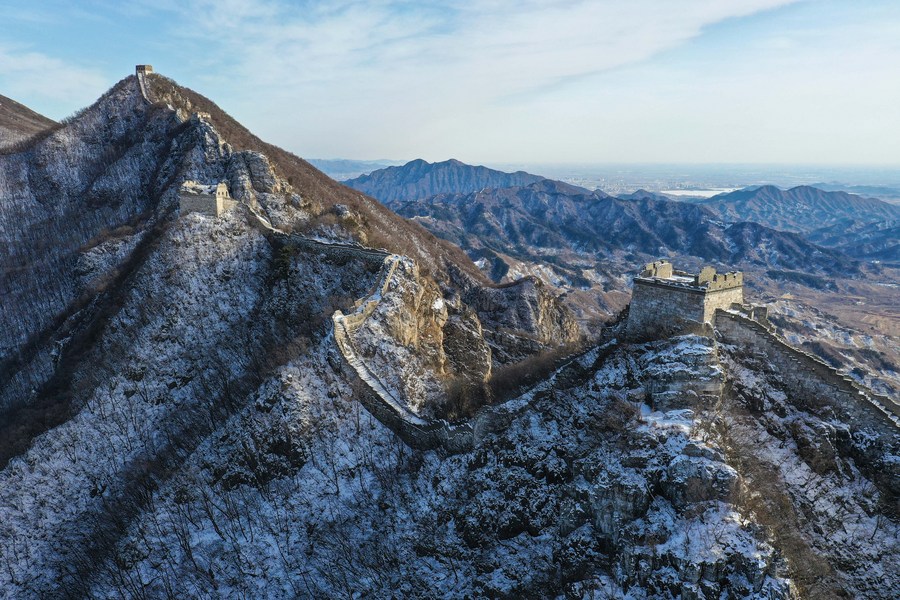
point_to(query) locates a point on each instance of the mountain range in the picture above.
(544, 220)
(583, 243)
(801, 209)
(310, 396)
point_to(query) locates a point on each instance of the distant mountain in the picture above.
(882, 192)
(800, 209)
(419, 179)
(340, 169)
(643, 195)
(18, 122)
(552, 222)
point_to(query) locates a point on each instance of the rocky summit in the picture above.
(223, 374)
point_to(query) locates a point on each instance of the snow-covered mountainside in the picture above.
(247, 405)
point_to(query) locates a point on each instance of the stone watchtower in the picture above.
(211, 200)
(668, 302)
(143, 69)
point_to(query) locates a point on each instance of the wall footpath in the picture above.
(809, 379)
(143, 86)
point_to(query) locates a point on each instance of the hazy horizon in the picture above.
(658, 177)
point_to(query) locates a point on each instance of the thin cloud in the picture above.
(30, 74)
(500, 48)
(384, 66)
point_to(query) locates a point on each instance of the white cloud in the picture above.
(382, 67)
(527, 80)
(498, 48)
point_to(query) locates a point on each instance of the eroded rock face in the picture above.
(826, 482)
(688, 369)
(467, 352)
(522, 318)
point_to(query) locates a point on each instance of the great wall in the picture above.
(665, 302)
(140, 71)
(687, 303)
(806, 376)
(744, 327)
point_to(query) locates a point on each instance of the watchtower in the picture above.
(666, 301)
(143, 69)
(206, 199)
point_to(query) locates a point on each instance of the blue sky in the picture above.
(694, 81)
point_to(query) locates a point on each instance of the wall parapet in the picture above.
(664, 300)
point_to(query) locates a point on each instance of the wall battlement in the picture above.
(667, 302)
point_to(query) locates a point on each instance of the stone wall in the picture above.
(721, 281)
(205, 205)
(379, 399)
(810, 380)
(722, 299)
(140, 72)
(660, 310)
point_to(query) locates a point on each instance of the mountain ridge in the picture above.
(18, 122)
(213, 439)
(419, 179)
(550, 214)
(800, 209)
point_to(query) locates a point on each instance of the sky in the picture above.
(550, 81)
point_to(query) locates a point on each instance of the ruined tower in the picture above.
(667, 302)
(206, 199)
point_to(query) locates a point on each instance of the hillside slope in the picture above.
(546, 220)
(18, 122)
(179, 421)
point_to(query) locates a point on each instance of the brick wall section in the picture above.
(720, 299)
(808, 378)
(378, 399)
(416, 432)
